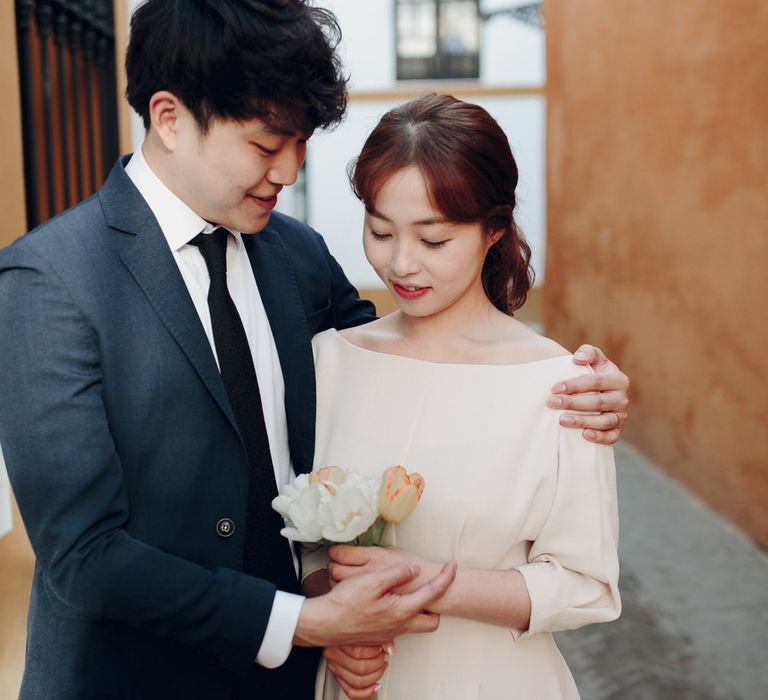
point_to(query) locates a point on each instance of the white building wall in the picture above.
(512, 53)
(368, 41)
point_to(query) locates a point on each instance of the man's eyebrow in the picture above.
(287, 131)
(280, 130)
(421, 222)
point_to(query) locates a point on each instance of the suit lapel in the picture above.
(150, 261)
(276, 279)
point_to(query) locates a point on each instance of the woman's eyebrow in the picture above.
(421, 222)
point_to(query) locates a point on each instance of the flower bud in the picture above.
(399, 493)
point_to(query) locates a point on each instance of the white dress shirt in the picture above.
(5, 499)
(180, 225)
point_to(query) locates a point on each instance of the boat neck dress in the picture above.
(506, 487)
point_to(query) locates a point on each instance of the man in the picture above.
(157, 379)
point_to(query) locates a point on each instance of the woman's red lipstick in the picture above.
(414, 293)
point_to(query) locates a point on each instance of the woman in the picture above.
(452, 386)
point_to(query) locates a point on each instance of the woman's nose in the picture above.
(404, 261)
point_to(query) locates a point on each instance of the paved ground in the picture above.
(695, 595)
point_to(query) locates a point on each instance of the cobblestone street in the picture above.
(695, 595)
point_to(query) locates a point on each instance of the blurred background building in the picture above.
(640, 130)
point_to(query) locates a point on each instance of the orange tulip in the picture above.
(399, 493)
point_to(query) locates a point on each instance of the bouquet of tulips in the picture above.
(335, 506)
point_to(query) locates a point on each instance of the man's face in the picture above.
(232, 174)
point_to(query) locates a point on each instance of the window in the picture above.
(437, 39)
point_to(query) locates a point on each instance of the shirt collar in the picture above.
(178, 222)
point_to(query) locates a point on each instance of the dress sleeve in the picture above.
(347, 308)
(573, 566)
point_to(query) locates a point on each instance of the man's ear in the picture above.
(165, 115)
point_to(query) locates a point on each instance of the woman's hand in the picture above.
(346, 561)
(358, 669)
(604, 392)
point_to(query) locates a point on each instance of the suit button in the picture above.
(225, 527)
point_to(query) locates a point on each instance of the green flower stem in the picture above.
(374, 535)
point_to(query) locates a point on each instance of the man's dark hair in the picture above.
(238, 59)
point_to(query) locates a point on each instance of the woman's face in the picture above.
(429, 264)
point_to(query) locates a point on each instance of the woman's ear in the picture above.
(495, 236)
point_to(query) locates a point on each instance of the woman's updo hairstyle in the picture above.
(471, 175)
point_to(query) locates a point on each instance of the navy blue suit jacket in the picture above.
(124, 453)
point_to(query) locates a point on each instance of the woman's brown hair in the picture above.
(471, 175)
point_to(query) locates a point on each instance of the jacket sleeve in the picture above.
(68, 480)
(573, 570)
(348, 309)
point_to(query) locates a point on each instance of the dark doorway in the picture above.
(68, 99)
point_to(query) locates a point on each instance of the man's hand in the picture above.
(604, 392)
(364, 610)
(357, 668)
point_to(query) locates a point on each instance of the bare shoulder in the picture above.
(373, 335)
(543, 348)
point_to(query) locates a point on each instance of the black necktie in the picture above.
(267, 553)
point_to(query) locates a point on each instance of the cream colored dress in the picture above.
(506, 487)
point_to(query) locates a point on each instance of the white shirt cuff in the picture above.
(278, 637)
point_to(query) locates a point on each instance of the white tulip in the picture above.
(298, 503)
(336, 509)
(350, 510)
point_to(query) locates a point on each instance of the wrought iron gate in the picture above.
(68, 100)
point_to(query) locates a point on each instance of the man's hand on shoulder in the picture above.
(603, 393)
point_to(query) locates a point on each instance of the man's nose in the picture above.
(284, 169)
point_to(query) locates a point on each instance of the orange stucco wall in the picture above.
(14, 217)
(657, 144)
